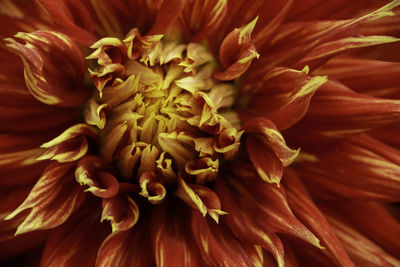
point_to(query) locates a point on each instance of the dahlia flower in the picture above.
(199, 133)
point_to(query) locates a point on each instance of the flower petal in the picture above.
(282, 95)
(172, 241)
(304, 208)
(338, 112)
(201, 19)
(69, 146)
(121, 209)
(217, 244)
(236, 53)
(47, 80)
(358, 168)
(80, 236)
(92, 171)
(127, 248)
(269, 134)
(52, 200)
(167, 12)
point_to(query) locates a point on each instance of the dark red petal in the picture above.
(337, 112)
(201, 19)
(76, 242)
(283, 95)
(127, 248)
(304, 208)
(267, 165)
(236, 53)
(52, 200)
(217, 244)
(167, 12)
(47, 80)
(172, 241)
(358, 168)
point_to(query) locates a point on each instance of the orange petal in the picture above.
(167, 13)
(52, 200)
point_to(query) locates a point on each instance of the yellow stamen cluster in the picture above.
(160, 112)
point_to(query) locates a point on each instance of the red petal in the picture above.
(282, 95)
(243, 226)
(201, 19)
(269, 134)
(173, 244)
(361, 250)
(236, 53)
(76, 242)
(52, 200)
(359, 168)
(217, 244)
(167, 13)
(121, 210)
(304, 208)
(337, 112)
(46, 79)
(127, 248)
(267, 165)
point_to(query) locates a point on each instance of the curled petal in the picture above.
(283, 95)
(268, 132)
(47, 80)
(51, 201)
(205, 169)
(200, 198)
(152, 187)
(267, 165)
(121, 209)
(69, 146)
(236, 53)
(91, 171)
(95, 114)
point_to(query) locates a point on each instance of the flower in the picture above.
(199, 133)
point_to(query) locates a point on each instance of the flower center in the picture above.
(160, 113)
